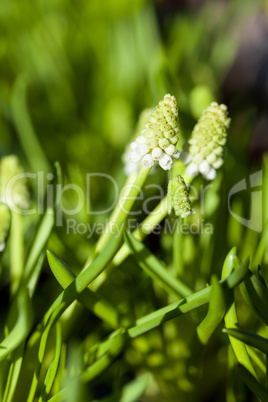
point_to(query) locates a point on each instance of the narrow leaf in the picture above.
(216, 311)
(249, 338)
(22, 327)
(52, 370)
(88, 298)
(256, 388)
(154, 268)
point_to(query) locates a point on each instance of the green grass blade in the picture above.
(256, 295)
(100, 365)
(115, 339)
(231, 319)
(187, 304)
(61, 370)
(52, 371)
(103, 355)
(231, 392)
(41, 354)
(134, 390)
(256, 359)
(131, 392)
(89, 299)
(66, 298)
(154, 268)
(22, 327)
(256, 388)
(16, 251)
(216, 311)
(25, 130)
(249, 338)
(14, 373)
(43, 231)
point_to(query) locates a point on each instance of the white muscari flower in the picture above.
(211, 175)
(185, 157)
(148, 161)
(171, 150)
(166, 162)
(176, 155)
(134, 157)
(140, 139)
(156, 142)
(192, 169)
(204, 167)
(142, 149)
(218, 163)
(131, 168)
(157, 153)
(205, 148)
(133, 146)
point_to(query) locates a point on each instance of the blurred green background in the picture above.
(74, 77)
(86, 69)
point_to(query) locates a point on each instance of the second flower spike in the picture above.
(205, 148)
(178, 197)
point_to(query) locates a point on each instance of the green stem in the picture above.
(177, 250)
(124, 205)
(17, 251)
(145, 228)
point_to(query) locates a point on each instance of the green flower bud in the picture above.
(178, 197)
(163, 122)
(209, 135)
(18, 193)
(5, 220)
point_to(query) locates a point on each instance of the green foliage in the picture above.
(134, 314)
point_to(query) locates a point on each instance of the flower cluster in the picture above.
(5, 220)
(203, 153)
(178, 197)
(18, 194)
(157, 142)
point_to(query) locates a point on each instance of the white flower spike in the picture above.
(204, 152)
(157, 141)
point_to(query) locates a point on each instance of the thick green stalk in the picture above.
(124, 205)
(17, 251)
(145, 228)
